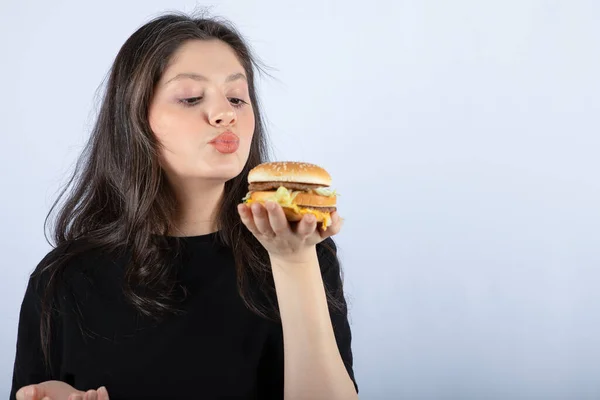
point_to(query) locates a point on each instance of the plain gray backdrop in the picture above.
(464, 138)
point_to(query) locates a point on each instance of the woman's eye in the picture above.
(237, 102)
(191, 101)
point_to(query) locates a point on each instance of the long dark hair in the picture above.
(119, 199)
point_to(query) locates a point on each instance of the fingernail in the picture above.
(21, 394)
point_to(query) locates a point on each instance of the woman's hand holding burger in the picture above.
(286, 203)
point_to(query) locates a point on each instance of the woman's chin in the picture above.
(221, 172)
(224, 169)
(214, 171)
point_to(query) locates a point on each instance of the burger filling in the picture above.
(284, 196)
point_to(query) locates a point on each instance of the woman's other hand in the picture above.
(57, 390)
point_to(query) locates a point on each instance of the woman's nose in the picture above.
(222, 117)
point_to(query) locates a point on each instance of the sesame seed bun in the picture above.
(289, 171)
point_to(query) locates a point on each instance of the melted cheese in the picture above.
(285, 201)
(325, 216)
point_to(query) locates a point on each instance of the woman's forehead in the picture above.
(208, 59)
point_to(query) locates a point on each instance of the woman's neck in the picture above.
(197, 208)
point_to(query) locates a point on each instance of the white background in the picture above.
(463, 136)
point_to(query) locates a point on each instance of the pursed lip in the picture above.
(226, 137)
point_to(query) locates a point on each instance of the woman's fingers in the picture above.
(268, 223)
(28, 393)
(277, 219)
(57, 390)
(102, 393)
(334, 228)
(247, 218)
(307, 225)
(90, 395)
(261, 220)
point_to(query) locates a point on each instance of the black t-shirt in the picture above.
(216, 349)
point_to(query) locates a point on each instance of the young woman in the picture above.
(161, 284)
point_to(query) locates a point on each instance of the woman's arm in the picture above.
(314, 368)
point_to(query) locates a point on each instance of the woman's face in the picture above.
(201, 113)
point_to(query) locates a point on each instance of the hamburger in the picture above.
(299, 188)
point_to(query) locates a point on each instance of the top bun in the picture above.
(289, 171)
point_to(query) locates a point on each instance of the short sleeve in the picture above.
(29, 366)
(332, 279)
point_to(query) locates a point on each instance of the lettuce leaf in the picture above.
(326, 192)
(284, 196)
